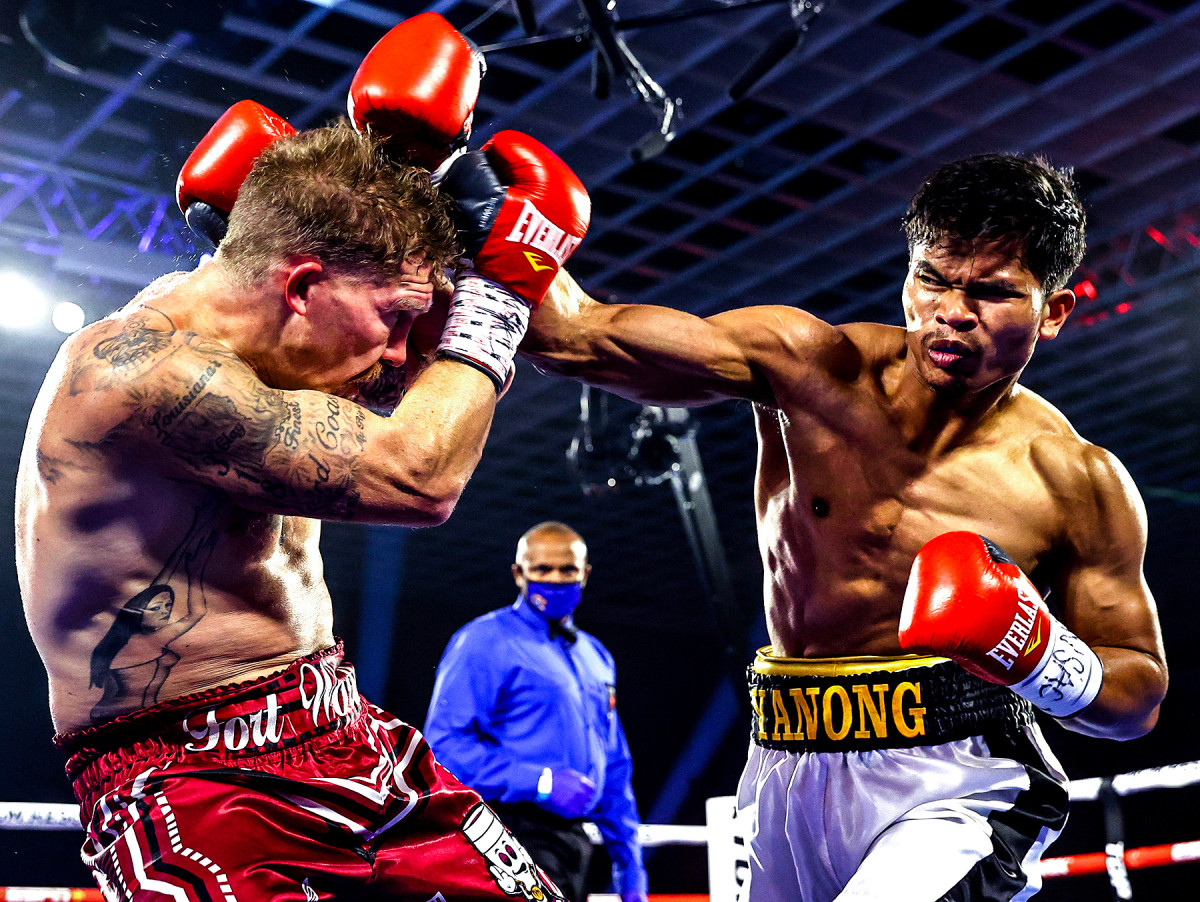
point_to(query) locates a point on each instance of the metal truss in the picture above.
(89, 223)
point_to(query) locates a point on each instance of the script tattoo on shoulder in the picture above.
(222, 421)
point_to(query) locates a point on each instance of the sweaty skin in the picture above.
(180, 455)
(874, 439)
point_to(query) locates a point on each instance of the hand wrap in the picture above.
(484, 327)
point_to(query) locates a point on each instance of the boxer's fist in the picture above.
(417, 89)
(210, 179)
(968, 600)
(521, 212)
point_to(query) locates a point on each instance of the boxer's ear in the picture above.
(1055, 310)
(299, 278)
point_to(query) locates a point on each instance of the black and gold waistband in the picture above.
(862, 703)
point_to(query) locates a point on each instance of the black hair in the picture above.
(1004, 198)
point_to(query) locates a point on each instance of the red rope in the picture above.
(1145, 857)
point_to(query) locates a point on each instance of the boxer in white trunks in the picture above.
(915, 504)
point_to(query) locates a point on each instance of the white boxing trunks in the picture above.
(893, 780)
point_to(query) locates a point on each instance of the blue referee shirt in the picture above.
(510, 700)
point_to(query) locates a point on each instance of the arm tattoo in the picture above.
(132, 351)
(202, 404)
(299, 452)
(132, 347)
(50, 468)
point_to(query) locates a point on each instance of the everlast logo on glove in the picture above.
(520, 212)
(1018, 641)
(534, 229)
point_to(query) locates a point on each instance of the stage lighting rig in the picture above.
(612, 57)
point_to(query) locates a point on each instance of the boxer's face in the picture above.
(974, 313)
(354, 327)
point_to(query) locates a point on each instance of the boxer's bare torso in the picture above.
(212, 593)
(874, 439)
(846, 494)
(168, 500)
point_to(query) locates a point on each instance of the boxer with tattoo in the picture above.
(177, 463)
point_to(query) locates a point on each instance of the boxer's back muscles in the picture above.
(857, 469)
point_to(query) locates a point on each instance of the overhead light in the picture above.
(67, 317)
(23, 305)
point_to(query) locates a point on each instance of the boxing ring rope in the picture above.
(1116, 860)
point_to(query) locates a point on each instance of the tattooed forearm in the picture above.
(339, 427)
(287, 431)
(299, 452)
(203, 404)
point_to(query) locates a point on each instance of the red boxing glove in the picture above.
(521, 212)
(210, 179)
(417, 88)
(968, 600)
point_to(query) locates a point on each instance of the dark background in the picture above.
(789, 194)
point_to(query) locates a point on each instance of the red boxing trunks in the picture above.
(292, 787)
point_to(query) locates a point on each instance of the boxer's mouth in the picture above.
(944, 352)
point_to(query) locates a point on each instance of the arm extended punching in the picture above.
(659, 355)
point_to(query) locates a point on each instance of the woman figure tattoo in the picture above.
(134, 658)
